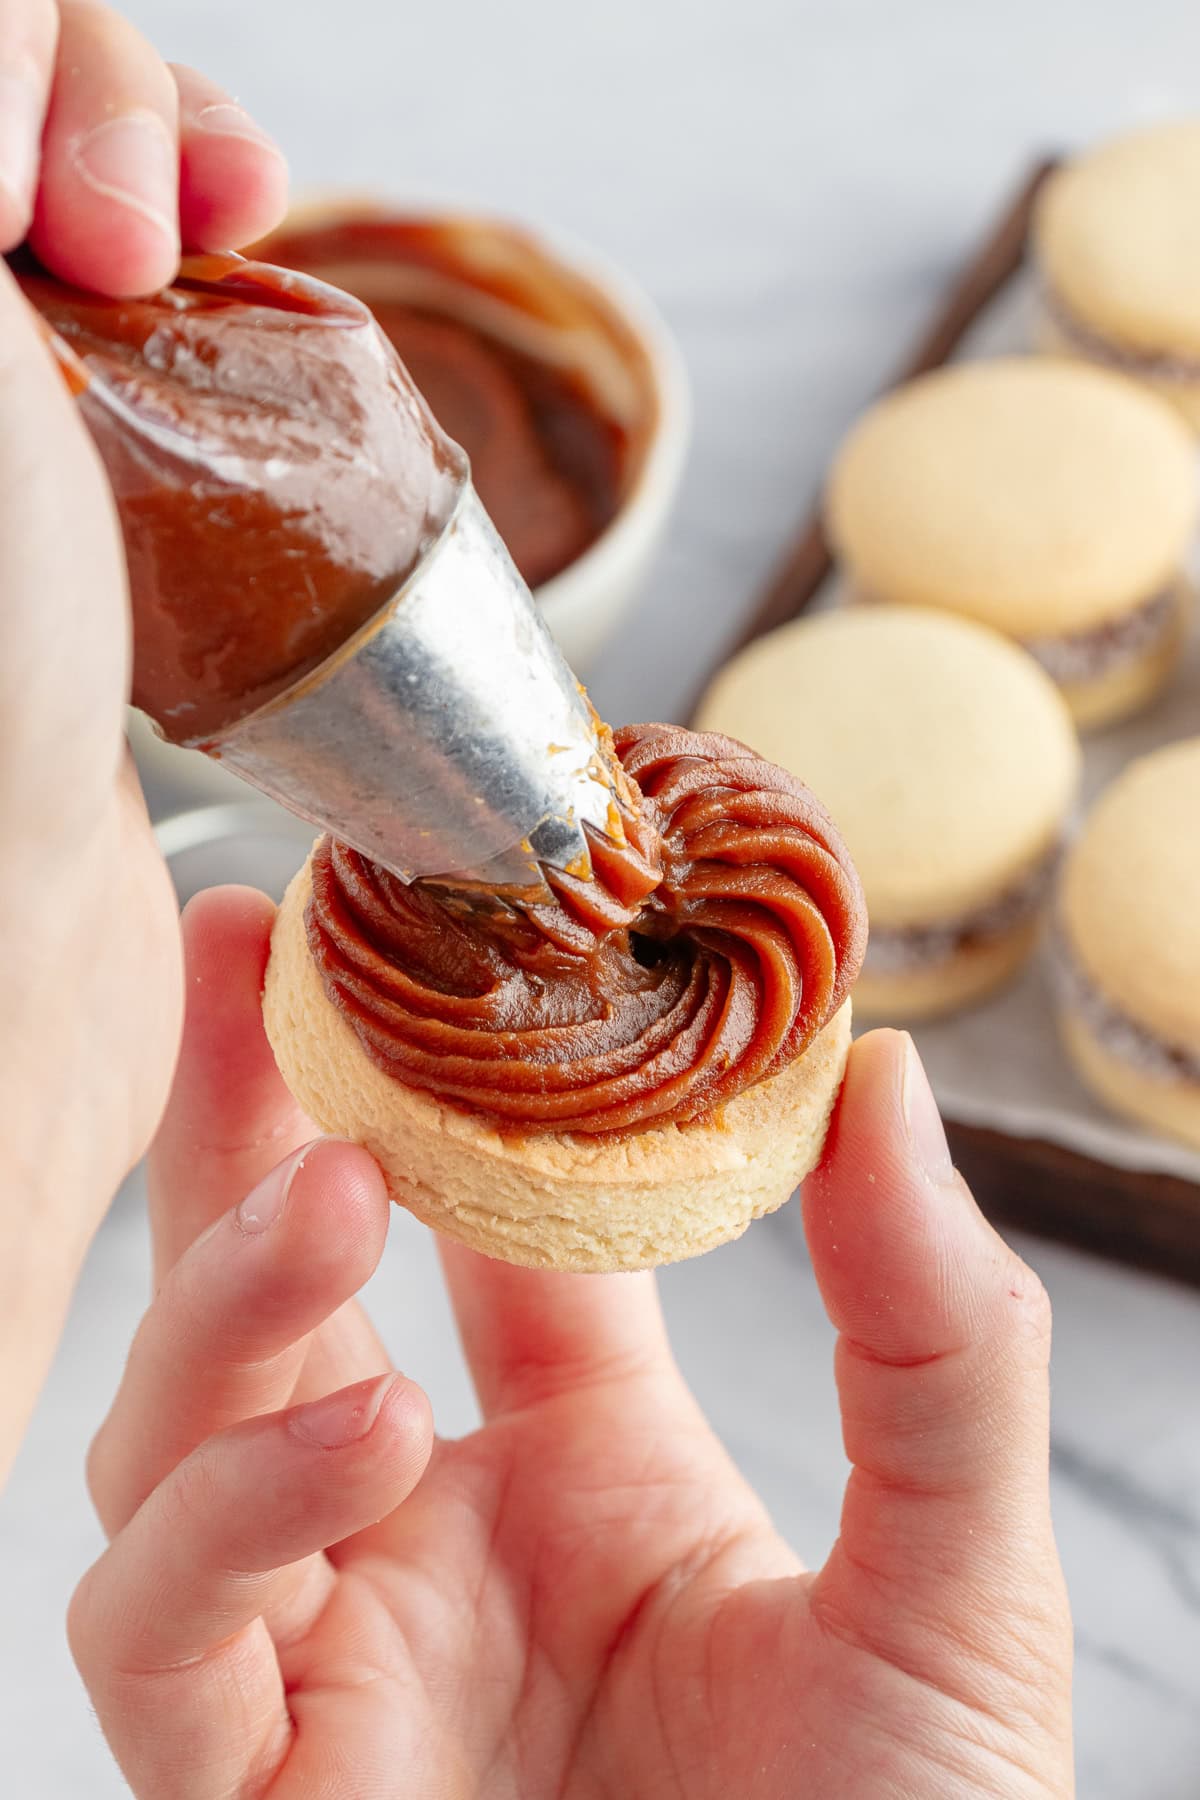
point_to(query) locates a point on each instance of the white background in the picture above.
(793, 183)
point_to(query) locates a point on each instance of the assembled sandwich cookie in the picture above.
(949, 760)
(1051, 501)
(1119, 260)
(619, 1071)
(1127, 945)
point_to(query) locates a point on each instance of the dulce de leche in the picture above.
(276, 474)
(498, 359)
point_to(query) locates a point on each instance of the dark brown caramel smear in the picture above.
(547, 466)
(275, 472)
(702, 958)
(543, 462)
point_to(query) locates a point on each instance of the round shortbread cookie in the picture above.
(944, 752)
(1042, 497)
(545, 1200)
(970, 975)
(1172, 1107)
(1117, 237)
(1130, 895)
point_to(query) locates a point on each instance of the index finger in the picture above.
(232, 174)
(168, 1627)
(230, 1118)
(28, 34)
(107, 213)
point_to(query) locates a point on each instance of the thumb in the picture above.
(945, 1562)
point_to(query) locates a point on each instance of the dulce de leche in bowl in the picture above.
(553, 374)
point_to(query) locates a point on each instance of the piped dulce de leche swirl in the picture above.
(699, 958)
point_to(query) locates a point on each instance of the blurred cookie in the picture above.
(1052, 501)
(1117, 237)
(1128, 943)
(950, 762)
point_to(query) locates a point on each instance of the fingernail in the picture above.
(132, 160)
(926, 1133)
(342, 1418)
(263, 1204)
(225, 118)
(20, 134)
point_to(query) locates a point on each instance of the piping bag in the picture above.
(319, 600)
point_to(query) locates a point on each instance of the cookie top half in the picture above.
(1039, 496)
(1117, 235)
(945, 754)
(1130, 899)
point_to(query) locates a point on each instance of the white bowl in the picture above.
(567, 306)
(594, 319)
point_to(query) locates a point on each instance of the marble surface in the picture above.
(792, 183)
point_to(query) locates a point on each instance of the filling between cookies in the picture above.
(1087, 655)
(902, 950)
(1111, 1027)
(1078, 656)
(1150, 365)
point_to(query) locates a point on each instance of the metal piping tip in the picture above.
(448, 737)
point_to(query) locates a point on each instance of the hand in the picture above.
(581, 1598)
(109, 158)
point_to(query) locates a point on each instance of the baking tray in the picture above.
(1143, 1215)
